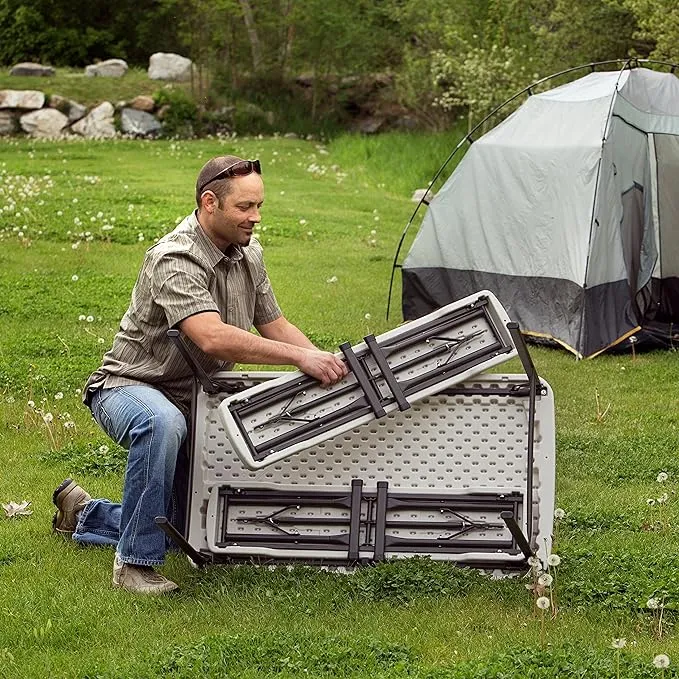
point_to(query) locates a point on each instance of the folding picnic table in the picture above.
(417, 451)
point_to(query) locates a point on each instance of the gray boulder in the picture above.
(8, 123)
(26, 99)
(169, 66)
(30, 68)
(98, 123)
(111, 68)
(72, 109)
(423, 195)
(47, 122)
(369, 125)
(139, 123)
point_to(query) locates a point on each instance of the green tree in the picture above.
(657, 27)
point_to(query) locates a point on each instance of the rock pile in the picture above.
(31, 112)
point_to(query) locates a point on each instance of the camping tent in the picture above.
(568, 211)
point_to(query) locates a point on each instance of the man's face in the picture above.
(233, 222)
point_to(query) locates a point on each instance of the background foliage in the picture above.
(445, 60)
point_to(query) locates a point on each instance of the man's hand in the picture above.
(322, 365)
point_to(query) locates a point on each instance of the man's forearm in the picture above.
(229, 343)
(281, 330)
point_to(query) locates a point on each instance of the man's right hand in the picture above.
(327, 368)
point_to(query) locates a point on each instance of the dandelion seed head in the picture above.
(559, 513)
(662, 477)
(545, 580)
(553, 559)
(90, 319)
(74, 277)
(653, 603)
(48, 417)
(59, 395)
(103, 449)
(542, 603)
(661, 661)
(619, 643)
(31, 404)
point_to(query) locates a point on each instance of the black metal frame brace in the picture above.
(164, 524)
(534, 386)
(367, 521)
(372, 400)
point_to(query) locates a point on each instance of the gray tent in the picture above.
(568, 211)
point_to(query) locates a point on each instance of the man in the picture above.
(207, 278)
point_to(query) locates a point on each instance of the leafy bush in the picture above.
(181, 117)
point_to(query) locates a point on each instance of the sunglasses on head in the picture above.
(239, 169)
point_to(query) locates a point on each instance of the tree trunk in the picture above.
(286, 46)
(255, 48)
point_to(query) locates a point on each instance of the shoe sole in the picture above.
(147, 592)
(59, 497)
(64, 485)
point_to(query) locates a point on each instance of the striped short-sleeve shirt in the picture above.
(184, 274)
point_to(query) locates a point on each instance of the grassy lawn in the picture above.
(75, 219)
(74, 84)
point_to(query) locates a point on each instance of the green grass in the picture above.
(61, 618)
(74, 84)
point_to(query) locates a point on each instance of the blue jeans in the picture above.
(144, 421)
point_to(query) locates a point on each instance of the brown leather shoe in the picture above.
(140, 579)
(69, 499)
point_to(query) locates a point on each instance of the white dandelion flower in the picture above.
(542, 603)
(619, 643)
(650, 501)
(74, 277)
(69, 424)
(661, 661)
(90, 319)
(48, 417)
(103, 449)
(332, 279)
(545, 580)
(59, 395)
(662, 477)
(553, 559)
(367, 317)
(31, 404)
